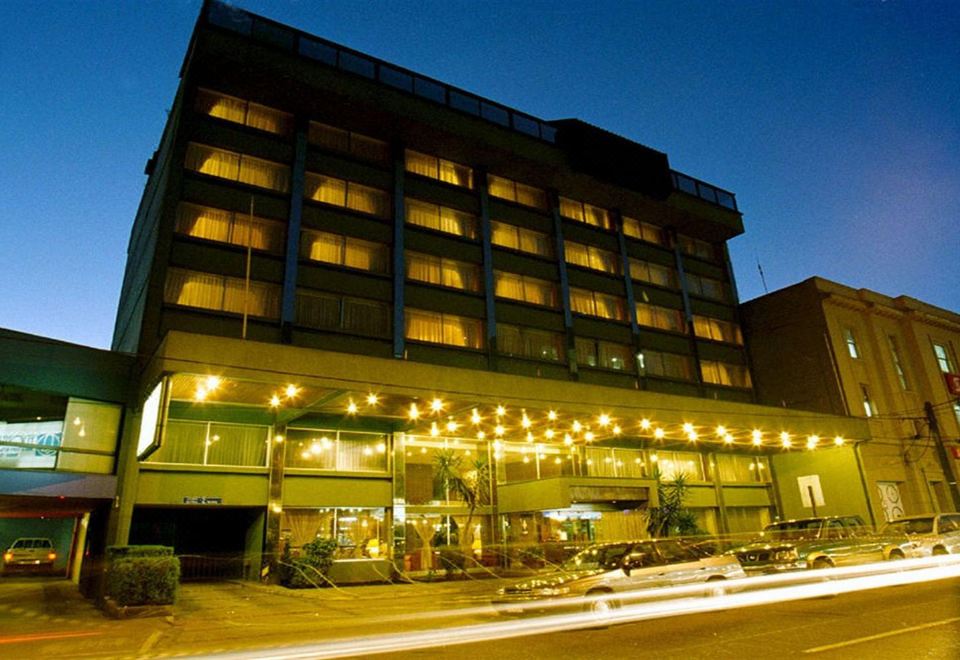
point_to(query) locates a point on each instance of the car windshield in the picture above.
(910, 526)
(606, 557)
(794, 530)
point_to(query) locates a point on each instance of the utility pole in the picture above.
(945, 465)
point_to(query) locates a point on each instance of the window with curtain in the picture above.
(213, 443)
(706, 287)
(518, 238)
(717, 329)
(732, 468)
(333, 450)
(673, 464)
(589, 256)
(661, 318)
(643, 231)
(944, 360)
(331, 312)
(441, 218)
(223, 226)
(523, 288)
(347, 194)
(243, 112)
(513, 191)
(586, 213)
(438, 328)
(647, 271)
(355, 144)
(438, 169)
(442, 271)
(724, 373)
(345, 251)
(696, 247)
(604, 354)
(594, 303)
(666, 365)
(237, 167)
(530, 343)
(221, 293)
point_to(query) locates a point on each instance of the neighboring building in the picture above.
(346, 278)
(857, 352)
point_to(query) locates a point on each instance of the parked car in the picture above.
(932, 534)
(610, 568)
(29, 553)
(819, 543)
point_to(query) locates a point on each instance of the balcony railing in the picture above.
(703, 190)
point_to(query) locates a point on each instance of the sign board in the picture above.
(30, 444)
(953, 383)
(810, 487)
(202, 500)
(955, 451)
(151, 421)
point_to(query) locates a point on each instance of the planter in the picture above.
(114, 611)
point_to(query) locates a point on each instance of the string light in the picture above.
(475, 416)
(552, 415)
(434, 430)
(452, 425)
(525, 421)
(291, 391)
(414, 412)
(274, 401)
(812, 441)
(549, 433)
(588, 436)
(785, 440)
(372, 399)
(645, 424)
(200, 394)
(436, 405)
(604, 420)
(577, 426)
(728, 439)
(616, 429)
(721, 431)
(838, 441)
(659, 433)
(756, 437)
(567, 439)
(688, 428)
(501, 411)
(529, 436)
(351, 408)
(498, 430)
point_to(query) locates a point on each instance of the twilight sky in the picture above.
(837, 124)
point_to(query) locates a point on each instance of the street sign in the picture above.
(203, 500)
(953, 383)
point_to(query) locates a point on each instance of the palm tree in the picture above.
(671, 517)
(468, 483)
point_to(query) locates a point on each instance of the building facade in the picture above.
(886, 360)
(375, 307)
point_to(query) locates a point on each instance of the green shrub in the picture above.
(315, 557)
(142, 575)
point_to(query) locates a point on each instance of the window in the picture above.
(345, 251)
(439, 169)
(592, 257)
(665, 365)
(605, 354)
(347, 194)
(869, 407)
(530, 343)
(706, 287)
(897, 361)
(210, 443)
(342, 451)
(222, 226)
(221, 293)
(443, 272)
(243, 112)
(743, 469)
(594, 303)
(586, 213)
(348, 142)
(647, 271)
(673, 464)
(697, 247)
(513, 191)
(724, 373)
(437, 328)
(237, 167)
(527, 289)
(717, 330)
(518, 238)
(662, 318)
(441, 218)
(851, 342)
(643, 231)
(944, 360)
(325, 311)
(956, 412)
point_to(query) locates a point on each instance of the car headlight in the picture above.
(551, 591)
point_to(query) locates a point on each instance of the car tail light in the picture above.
(51, 556)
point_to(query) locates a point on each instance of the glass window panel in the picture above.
(204, 222)
(509, 340)
(495, 114)
(444, 329)
(396, 78)
(586, 352)
(615, 356)
(315, 450)
(571, 209)
(536, 242)
(215, 162)
(366, 317)
(424, 326)
(526, 125)
(421, 164)
(265, 174)
(318, 51)
(318, 310)
(221, 106)
(329, 137)
(373, 257)
(369, 148)
(322, 246)
(662, 318)
(356, 64)
(464, 103)
(722, 373)
(183, 443)
(504, 235)
(576, 254)
(367, 200)
(501, 187)
(268, 119)
(233, 444)
(429, 90)
(581, 302)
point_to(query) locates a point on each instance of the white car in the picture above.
(27, 553)
(931, 534)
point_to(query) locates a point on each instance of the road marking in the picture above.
(151, 640)
(870, 638)
(37, 636)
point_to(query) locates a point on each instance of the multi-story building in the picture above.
(355, 288)
(887, 360)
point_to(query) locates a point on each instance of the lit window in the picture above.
(330, 312)
(221, 293)
(513, 191)
(706, 287)
(347, 194)
(243, 112)
(647, 271)
(697, 247)
(673, 464)
(212, 443)
(662, 318)
(437, 328)
(441, 218)
(897, 361)
(643, 231)
(851, 343)
(526, 289)
(345, 251)
(724, 373)
(944, 360)
(348, 142)
(586, 213)
(591, 257)
(717, 330)
(869, 408)
(530, 343)
(223, 226)
(594, 303)
(666, 365)
(442, 271)
(237, 167)
(439, 169)
(604, 354)
(518, 238)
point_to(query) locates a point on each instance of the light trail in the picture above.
(754, 592)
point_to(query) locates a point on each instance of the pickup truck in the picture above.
(28, 553)
(821, 542)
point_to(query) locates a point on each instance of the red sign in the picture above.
(956, 452)
(953, 383)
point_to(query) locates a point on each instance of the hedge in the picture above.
(142, 575)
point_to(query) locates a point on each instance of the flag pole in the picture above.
(246, 278)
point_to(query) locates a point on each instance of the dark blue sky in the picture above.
(837, 124)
